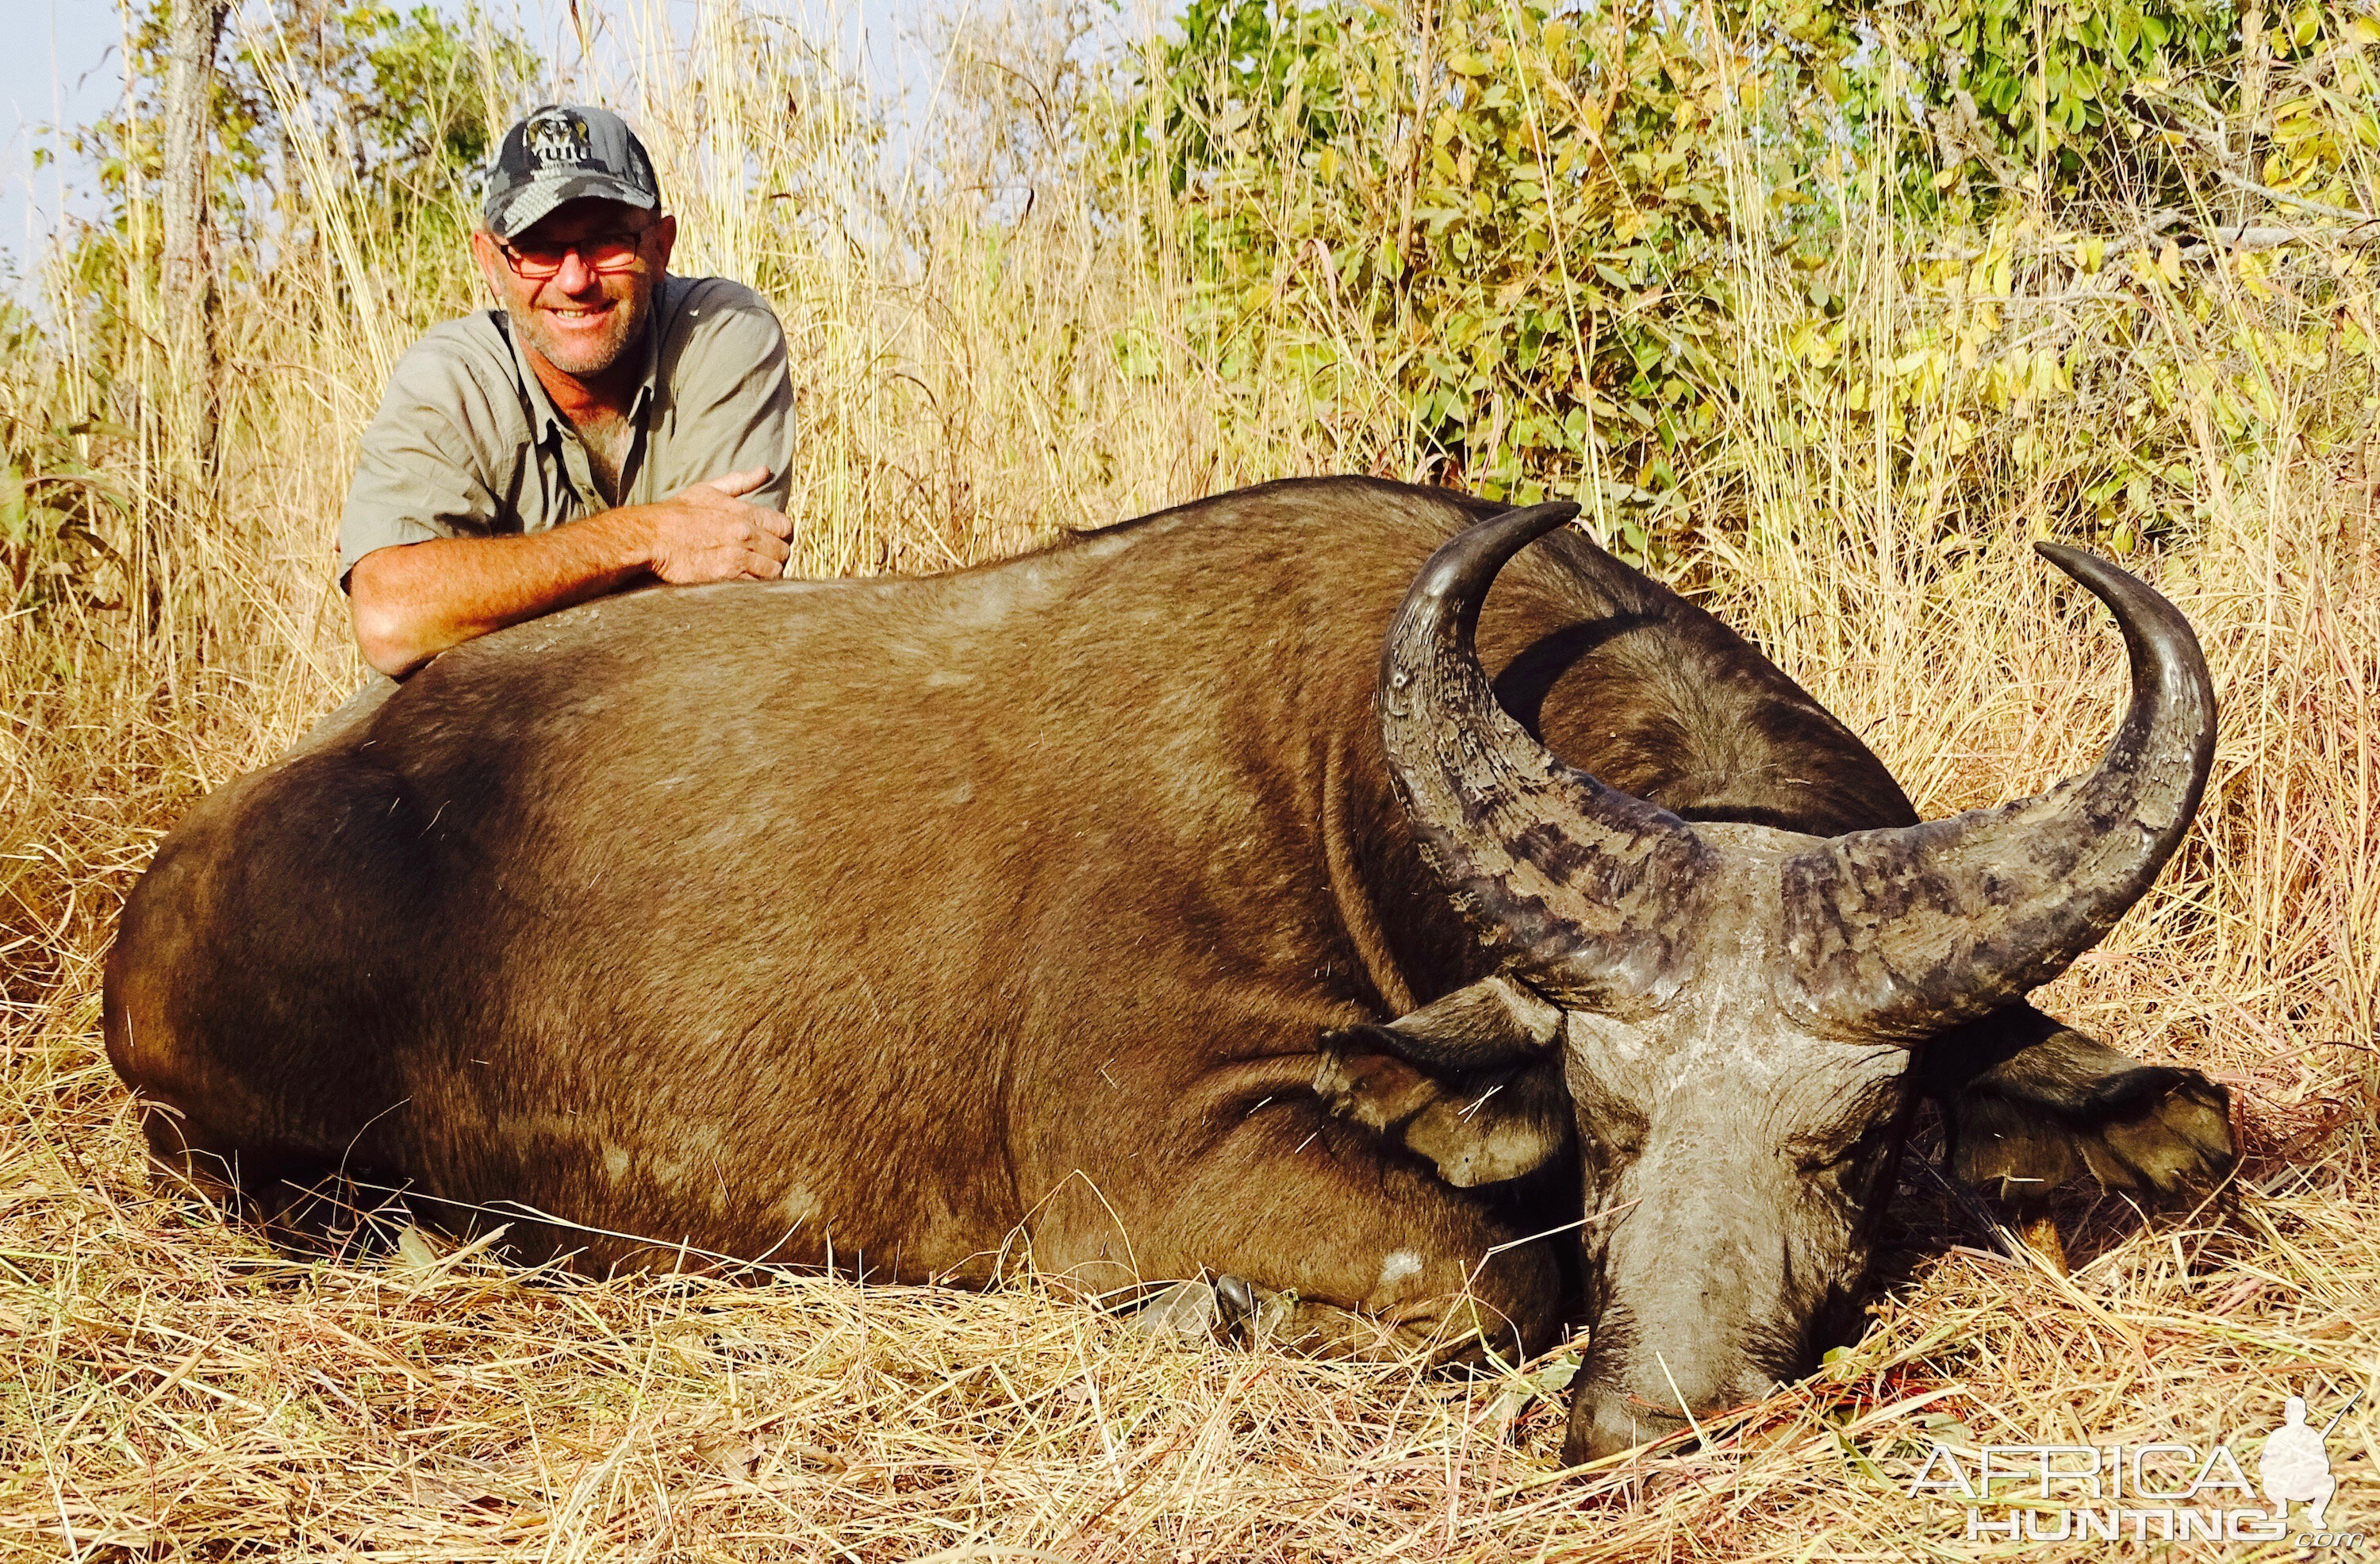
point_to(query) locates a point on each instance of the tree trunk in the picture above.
(187, 274)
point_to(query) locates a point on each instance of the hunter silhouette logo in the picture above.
(2296, 1464)
(557, 137)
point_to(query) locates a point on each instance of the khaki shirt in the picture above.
(468, 445)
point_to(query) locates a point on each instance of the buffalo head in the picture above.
(1720, 1018)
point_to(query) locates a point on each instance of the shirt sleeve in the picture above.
(415, 477)
(735, 411)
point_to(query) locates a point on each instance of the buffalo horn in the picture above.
(1906, 930)
(1549, 866)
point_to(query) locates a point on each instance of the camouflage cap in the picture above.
(565, 151)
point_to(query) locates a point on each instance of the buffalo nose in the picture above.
(1604, 1420)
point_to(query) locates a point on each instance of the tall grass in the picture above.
(974, 373)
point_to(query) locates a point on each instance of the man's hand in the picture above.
(704, 533)
(413, 601)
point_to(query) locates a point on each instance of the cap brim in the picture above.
(521, 209)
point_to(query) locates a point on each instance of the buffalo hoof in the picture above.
(1253, 1313)
(1180, 1311)
(1229, 1309)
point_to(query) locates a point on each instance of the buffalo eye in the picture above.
(1850, 1165)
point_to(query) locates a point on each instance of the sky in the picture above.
(63, 69)
(66, 69)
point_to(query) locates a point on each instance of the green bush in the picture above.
(1506, 218)
(1522, 228)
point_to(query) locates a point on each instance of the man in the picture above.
(650, 413)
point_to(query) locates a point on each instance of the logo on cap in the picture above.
(557, 136)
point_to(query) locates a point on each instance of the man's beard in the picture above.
(578, 357)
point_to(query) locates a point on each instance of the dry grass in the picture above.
(175, 1390)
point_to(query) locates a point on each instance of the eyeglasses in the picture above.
(598, 253)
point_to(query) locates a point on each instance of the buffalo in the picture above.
(1172, 903)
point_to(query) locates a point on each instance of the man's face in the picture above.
(580, 320)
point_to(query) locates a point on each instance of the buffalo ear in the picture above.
(1495, 1023)
(2065, 1104)
(1483, 1130)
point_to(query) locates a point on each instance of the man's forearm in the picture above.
(414, 601)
